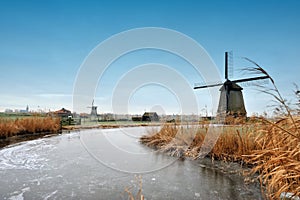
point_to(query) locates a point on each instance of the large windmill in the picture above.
(231, 101)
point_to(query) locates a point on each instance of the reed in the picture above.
(28, 125)
(277, 158)
(268, 147)
(129, 193)
(233, 143)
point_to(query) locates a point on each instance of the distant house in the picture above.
(63, 113)
(107, 117)
(84, 115)
(8, 110)
(150, 116)
(25, 111)
(136, 118)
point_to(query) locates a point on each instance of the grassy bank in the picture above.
(19, 126)
(271, 149)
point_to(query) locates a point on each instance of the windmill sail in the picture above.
(226, 65)
(206, 86)
(230, 64)
(250, 79)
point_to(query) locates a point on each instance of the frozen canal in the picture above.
(100, 164)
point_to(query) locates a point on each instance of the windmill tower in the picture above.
(93, 114)
(231, 103)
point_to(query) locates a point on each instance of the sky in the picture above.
(44, 44)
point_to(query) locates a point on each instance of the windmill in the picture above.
(93, 114)
(231, 101)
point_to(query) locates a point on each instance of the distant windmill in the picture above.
(231, 101)
(93, 114)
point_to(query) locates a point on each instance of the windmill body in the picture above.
(231, 100)
(231, 103)
(94, 115)
(94, 111)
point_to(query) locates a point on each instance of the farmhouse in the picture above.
(63, 113)
(150, 116)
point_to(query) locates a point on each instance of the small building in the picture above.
(107, 117)
(63, 113)
(25, 111)
(84, 115)
(150, 116)
(136, 118)
(8, 111)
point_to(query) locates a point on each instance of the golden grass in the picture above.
(232, 144)
(277, 158)
(12, 127)
(272, 149)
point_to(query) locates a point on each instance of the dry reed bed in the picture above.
(272, 149)
(28, 125)
(277, 158)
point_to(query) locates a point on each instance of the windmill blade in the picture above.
(230, 64)
(206, 86)
(250, 79)
(226, 65)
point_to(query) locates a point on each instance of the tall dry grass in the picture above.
(128, 190)
(232, 144)
(271, 147)
(277, 157)
(268, 147)
(12, 127)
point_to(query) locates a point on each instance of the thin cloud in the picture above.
(48, 95)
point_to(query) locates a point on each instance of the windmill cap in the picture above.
(231, 86)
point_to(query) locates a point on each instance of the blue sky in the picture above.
(43, 44)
